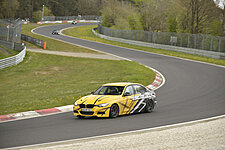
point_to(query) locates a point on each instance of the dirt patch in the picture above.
(49, 70)
(41, 73)
(72, 54)
(55, 68)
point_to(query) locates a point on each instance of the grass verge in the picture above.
(85, 32)
(51, 43)
(45, 81)
(4, 55)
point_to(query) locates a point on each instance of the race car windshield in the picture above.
(109, 90)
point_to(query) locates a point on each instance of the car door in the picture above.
(139, 97)
(127, 100)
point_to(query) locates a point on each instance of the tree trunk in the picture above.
(192, 15)
(223, 21)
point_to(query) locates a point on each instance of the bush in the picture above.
(37, 15)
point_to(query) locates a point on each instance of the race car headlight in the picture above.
(103, 105)
(75, 104)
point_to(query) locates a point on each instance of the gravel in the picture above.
(73, 54)
(208, 135)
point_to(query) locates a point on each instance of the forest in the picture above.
(185, 16)
(32, 9)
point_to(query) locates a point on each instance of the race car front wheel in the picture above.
(149, 106)
(80, 117)
(114, 111)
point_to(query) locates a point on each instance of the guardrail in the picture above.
(14, 60)
(187, 40)
(34, 41)
(69, 21)
(150, 40)
(79, 17)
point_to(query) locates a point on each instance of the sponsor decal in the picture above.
(140, 105)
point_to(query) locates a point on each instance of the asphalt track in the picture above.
(192, 91)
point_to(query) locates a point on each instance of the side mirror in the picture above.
(126, 94)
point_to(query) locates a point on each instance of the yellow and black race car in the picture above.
(113, 99)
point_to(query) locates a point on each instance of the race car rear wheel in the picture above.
(149, 106)
(114, 111)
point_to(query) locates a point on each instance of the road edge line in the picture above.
(120, 134)
(67, 108)
(75, 44)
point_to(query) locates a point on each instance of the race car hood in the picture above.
(97, 99)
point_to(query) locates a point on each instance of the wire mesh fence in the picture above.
(10, 32)
(195, 41)
(79, 17)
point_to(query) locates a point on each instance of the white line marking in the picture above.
(163, 78)
(149, 129)
(29, 117)
(69, 106)
(98, 50)
(77, 44)
(123, 133)
(196, 61)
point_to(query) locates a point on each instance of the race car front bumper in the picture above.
(95, 111)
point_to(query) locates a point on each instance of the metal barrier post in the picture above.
(211, 43)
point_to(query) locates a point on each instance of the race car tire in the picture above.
(80, 117)
(114, 111)
(149, 106)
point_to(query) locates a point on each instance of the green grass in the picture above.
(45, 81)
(51, 43)
(4, 55)
(85, 32)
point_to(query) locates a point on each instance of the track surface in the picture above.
(192, 91)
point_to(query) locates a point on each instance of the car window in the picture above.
(139, 89)
(102, 91)
(109, 90)
(130, 90)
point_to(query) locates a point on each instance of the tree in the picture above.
(120, 15)
(89, 7)
(172, 24)
(25, 9)
(196, 15)
(109, 12)
(8, 8)
(37, 15)
(221, 5)
(154, 14)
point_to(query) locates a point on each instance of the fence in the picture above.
(10, 32)
(33, 40)
(194, 41)
(17, 46)
(14, 60)
(6, 44)
(61, 18)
